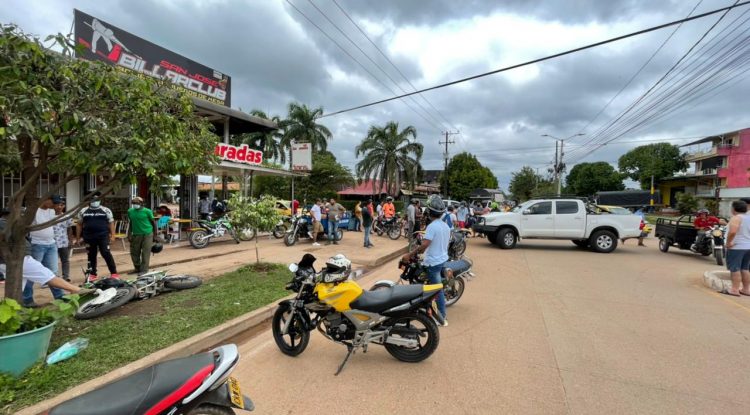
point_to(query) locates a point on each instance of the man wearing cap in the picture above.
(141, 235)
(96, 227)
(43, 248)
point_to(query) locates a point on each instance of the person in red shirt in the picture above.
(703, 222)
(295, 206)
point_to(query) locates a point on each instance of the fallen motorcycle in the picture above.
(454, 273)
(209, 229)
(117, 292)
(398, 318)
(195, 385)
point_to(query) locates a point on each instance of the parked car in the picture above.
(619, 210)
(572, 219)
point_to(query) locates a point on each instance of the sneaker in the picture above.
(93, 277)
(335, 242)
(31, 305)
(445, 322)
(316, 244)
(310, 235)
(115, 276)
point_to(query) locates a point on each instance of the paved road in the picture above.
(544, 329)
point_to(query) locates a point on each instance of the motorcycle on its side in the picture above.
(195, 385)
(398, 318)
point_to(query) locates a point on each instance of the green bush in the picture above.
(686, 203)
(712, 205)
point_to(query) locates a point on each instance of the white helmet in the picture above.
(337, 269)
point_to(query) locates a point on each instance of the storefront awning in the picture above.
(239, 122)
(231, 169)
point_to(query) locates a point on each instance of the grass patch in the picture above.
(117, 340)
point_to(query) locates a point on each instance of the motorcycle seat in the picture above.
(151, 390)
(385, 298)
(458, 267)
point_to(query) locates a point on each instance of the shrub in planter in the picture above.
(25, 332)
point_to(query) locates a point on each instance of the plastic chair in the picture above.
(121, 231)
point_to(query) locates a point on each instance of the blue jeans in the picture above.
(434, 274)
(47, 255)
(332, 227)
(368, 229)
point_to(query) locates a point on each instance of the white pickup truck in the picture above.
(571, 219)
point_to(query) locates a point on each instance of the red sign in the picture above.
(242, 154)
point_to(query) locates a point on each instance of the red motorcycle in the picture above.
(196, 385)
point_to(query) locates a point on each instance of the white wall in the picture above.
(73, 193)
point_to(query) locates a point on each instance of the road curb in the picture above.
(191, 259)
(192, 345)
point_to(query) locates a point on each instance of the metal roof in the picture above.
(710, 138)
(239, 122)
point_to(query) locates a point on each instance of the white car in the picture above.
(571, 219)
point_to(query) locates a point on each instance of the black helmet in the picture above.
(156, 248)
(435, 205)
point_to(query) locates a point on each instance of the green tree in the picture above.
(389, 155)
(465, 174)
(585, 179)
(260, 214)
(326, 178)
(544, 187)
(686, 203)
(524, 182)
(69, 117)
(301, 126)
(270, 142)
(659, 160)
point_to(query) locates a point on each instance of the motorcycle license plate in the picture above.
(235, 394)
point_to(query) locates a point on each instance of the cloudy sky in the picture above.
(275, 55)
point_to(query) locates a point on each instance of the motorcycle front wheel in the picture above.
(199, 239)
(279, 231)
(247, 234)
(419, 327)
(295, 341)
(394, 232)
(290, 238)
(719, 255)
(89, 309)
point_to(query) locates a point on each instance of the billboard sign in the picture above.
(241, 154)
(301, 156)
(107, 43)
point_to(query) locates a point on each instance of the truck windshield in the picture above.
(520, 208)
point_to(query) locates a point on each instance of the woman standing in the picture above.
(367, 214)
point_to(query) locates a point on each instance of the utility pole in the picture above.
(559, 166)
(445, 156)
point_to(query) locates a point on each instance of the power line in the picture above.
(549, 57)
(393, 64)
(432, 123)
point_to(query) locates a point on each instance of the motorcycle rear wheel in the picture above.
(426, 347)
(182, 282)
(88, 310)
(247, 234)
(453, 290)
(199, 239)
(297, 337)
(279, 231)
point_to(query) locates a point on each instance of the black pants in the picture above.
(100, 245)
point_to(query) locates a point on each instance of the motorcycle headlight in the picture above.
(717, 233)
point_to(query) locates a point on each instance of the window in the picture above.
(541, 208)
(566, 208)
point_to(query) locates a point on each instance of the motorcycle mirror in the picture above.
(293, 267)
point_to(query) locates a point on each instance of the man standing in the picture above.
(317, 226)
(141, 235)
(204, 207)
(435, 247)
(96, 227)
(335, 212)
(43, 248)
(462, 215)
(411, 218)
(63, 235)
(418, 216)
(367, 222)
(738, 249)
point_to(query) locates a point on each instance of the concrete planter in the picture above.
(19, 352)
(719, 281)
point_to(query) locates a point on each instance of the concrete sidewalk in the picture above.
(224, 255)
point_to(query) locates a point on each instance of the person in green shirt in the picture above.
(141, 233)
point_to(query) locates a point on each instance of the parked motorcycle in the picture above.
(216, 228)
(455, 274)
(456, 245)
(117, 292)
(391, 227)
(195, 385)
(281, 228)
(301, 228)
(398, 318)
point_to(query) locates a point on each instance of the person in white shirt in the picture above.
(738, 249)
(43, 248)
(317, 226)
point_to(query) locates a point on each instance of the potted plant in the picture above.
(25, 333)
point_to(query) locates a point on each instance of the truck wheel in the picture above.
(603, 242)
(581, 243)
(664, 244)
(507, 239)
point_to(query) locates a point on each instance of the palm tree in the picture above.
(389, 155)
(300, 126)
(269, 141)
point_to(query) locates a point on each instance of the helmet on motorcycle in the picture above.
(156, 248)
(337, 269)
(435, 205)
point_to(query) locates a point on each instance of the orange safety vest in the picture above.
(389, 210)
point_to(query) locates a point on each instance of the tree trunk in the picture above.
(13, 252)
(257, 255)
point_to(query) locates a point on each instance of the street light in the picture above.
(558, 160)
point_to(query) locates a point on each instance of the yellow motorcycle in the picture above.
(399, 318)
